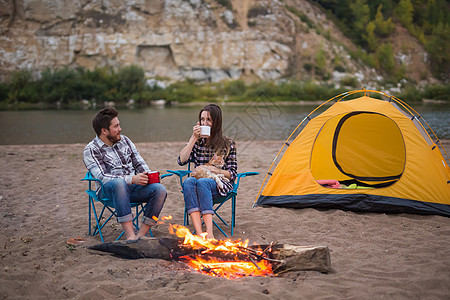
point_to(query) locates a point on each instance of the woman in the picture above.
(199, 193)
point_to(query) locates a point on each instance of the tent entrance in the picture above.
(360, 147)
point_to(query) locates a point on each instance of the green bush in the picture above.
(257, 11)
(226, 3)
(339, 68)
(4, 91)
(235, 87)
(385, 57)
(184, 91)
(350, 81)
(438, 92)
(308, 67)
(292, 90)
(304, 18)
(130, 80)
(410, 94)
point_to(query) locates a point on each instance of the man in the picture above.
(114, 159)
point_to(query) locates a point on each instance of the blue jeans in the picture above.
(199, 194)
(122, 195)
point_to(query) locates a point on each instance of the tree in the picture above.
(370, 36)
(382, 27)
(404, 13)
(438, 46)
(361, 16)
(385, 57)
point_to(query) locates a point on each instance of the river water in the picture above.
(154, 124)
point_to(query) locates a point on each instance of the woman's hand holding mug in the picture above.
(197, 130)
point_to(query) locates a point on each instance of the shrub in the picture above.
(4, 90)
(385, 57)
(226, 3)
(235, 87)
(257, 11)
(131, 79)
(410, 94)
(350, 81)
(339, 68)
(292, 90)
(321, 60)
(304, 18)
(438, 92)
(308, 67)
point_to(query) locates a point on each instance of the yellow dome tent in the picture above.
(363, 154)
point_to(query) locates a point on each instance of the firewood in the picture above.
(148, 248)
(282, 256)
(303, 258)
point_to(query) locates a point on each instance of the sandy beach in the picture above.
(43, 204)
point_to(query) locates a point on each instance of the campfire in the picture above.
(222, 258)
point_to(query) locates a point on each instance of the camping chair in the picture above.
(218, 202)
(108, 206)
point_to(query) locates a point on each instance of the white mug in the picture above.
(205, 131)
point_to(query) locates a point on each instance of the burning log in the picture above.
(224, 258)
(264, 260)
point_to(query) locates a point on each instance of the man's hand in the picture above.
(140, 179)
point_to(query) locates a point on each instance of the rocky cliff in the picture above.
(204, 40)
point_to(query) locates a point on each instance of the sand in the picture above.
(43, 204)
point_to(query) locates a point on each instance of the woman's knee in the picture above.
(206, 182)
(189, 182)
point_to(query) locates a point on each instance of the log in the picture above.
(148, 248)
(285, 256)
(303, 258)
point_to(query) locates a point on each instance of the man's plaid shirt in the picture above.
(201, 155)
(121, 160)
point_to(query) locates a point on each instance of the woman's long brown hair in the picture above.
(216, 141)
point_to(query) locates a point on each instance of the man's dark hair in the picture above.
(103, 119)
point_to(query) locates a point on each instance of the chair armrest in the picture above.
(242, 175)
(180, 174)
(90, 178)
(245, 174)
(166, 175)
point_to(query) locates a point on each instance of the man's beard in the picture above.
(113, 139)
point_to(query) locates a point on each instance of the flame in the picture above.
(216, 267)
(230, 269)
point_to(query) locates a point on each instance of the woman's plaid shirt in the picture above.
(201, 155)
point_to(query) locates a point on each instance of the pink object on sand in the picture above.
(329, 183)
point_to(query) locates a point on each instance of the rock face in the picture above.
(205, 40)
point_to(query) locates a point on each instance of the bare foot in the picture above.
(132, 238)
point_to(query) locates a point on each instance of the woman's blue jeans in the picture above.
(122, 195)
(199, 194)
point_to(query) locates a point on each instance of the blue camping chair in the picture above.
(108, 207)
(218, 202)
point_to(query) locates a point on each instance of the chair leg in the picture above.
(98, 224)
(89, 205)
(221, 230)
(186, 218)
(221, 219)
(233, 213)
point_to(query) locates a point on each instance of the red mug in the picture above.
(153, 177)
